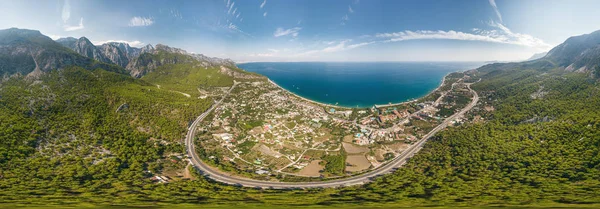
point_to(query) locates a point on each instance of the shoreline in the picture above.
(376, 105)
(306, 99)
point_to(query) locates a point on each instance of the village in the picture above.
(261, 131)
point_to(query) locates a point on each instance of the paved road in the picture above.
(389, 167)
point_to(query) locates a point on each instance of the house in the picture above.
(261, 172)
(224, 136)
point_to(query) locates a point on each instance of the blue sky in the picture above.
(319, 30)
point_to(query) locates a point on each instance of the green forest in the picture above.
(89, 136)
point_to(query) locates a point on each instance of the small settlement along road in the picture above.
(389, 167)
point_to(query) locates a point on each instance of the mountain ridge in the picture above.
(30, 53)
(25, 52)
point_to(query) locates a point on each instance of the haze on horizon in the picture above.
(312, 30)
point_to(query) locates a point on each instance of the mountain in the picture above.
(151, 58)
(86, 48)
(112, 52)
(28, 52)
(537, 56)
(578, 53)
(139, 61)
(128, 51)
(116, 53)
(68, 42)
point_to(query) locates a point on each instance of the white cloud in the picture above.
(493, 3)
(74, 28)
(504, 35)
(66, 15)
(176, 14)
(501, 34)
(262, 55)
(350, 9)
(66, 11)
(341, 46)
(265, 14)
(140, 21)
(230, 8)
(263, 4)
(234, 28)
(273, 50)
(345, 18)
(284, 32)
(131, 43)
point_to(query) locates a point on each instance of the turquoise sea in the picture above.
(358, 84)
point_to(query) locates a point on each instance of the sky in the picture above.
(318, 30)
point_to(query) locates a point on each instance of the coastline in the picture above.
(376, 105)
(306, 99)
(414, 100)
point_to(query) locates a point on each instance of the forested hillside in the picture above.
(511, 159)
(77, 130)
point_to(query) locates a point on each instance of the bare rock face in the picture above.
(28, 52)
(114, 54)
(85, 47)
(578, 53)
(151, 58)
(146, 49)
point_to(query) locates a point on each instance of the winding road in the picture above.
(389, 167)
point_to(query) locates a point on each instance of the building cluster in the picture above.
(281, 126)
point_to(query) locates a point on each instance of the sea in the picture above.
(358, 84)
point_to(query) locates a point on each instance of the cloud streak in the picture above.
(285, 32)
(342, 45)
(74, 28)
(503, 35)
(230, 8)
(263, 4)
(493, 3)
(346, 17)
(140, 22)
(500, 34)
(66, 12)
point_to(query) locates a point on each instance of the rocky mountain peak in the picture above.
(170, 49)
(577, 53)
(85, 47)
(28, 52)
(147, 49)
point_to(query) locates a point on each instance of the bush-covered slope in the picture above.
(82, 132)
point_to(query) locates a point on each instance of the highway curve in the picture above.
(389, 167)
